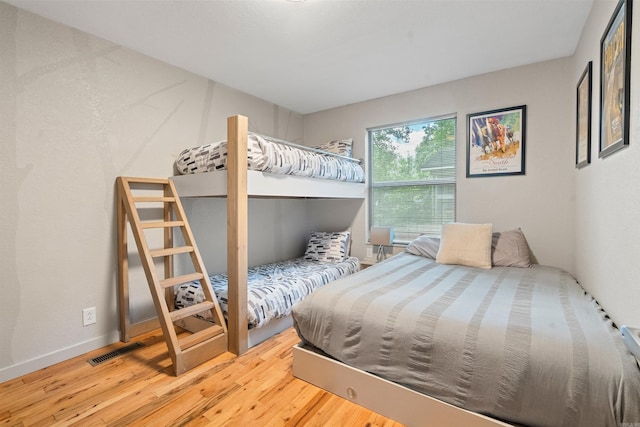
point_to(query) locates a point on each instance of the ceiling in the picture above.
(314, 55)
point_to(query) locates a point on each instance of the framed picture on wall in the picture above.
(583, 118)
(496, 142)
(615, 61)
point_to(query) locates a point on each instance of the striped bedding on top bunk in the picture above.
(274, 157)
(272, 288)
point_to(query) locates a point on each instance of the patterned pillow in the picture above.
(338, 146)
(327, 246)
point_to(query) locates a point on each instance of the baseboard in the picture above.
(40, 362)
(275, 326)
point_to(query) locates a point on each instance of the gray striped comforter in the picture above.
(524, 345)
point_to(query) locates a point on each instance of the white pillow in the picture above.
(465, 244)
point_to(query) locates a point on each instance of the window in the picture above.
(413, 177)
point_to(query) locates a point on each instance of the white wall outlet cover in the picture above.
(88, 316)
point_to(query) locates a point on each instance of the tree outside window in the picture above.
(413, 177)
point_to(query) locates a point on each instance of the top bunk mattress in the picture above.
(275, 157)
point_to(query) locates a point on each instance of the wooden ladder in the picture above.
(199, 340)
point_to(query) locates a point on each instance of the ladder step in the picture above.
(171, 251)
(178, 280)
(200, 336)
(149, 199)
(130, 180)
(191, 310)
(162, 224)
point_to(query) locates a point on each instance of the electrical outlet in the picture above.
(369, 252)
(88, 316)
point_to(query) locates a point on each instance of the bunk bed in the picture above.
(274, 288)
(237, 183)
(434, 337)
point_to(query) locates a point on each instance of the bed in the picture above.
(234, 180)
(331, 160)
(468, 345)
(231, 178)
(272, 290)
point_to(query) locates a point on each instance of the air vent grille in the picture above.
(115, 353)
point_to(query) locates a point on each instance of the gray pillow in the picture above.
(426, 246)
(510, 249)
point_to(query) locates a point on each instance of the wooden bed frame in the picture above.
(237, 184)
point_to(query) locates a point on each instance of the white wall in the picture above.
(75, 113)
(278, 229)
(540, 202)
(607, 223)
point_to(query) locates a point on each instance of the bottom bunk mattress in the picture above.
(524, 345)
(272, 289)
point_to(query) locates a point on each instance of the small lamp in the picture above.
(381, 236)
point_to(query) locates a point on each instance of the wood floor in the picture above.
(139, 388)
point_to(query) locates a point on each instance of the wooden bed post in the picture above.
(123, 269)
(237, 232)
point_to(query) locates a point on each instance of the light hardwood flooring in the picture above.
(139, 388)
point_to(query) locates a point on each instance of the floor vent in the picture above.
(115, 353)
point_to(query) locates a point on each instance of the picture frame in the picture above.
(583, 117)
(615, 80)
(496, 142)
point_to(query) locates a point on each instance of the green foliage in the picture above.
(389, 165)
(414, 208)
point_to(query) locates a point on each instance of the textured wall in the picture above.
(607, 196)
(540, 202)
(76, 112)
